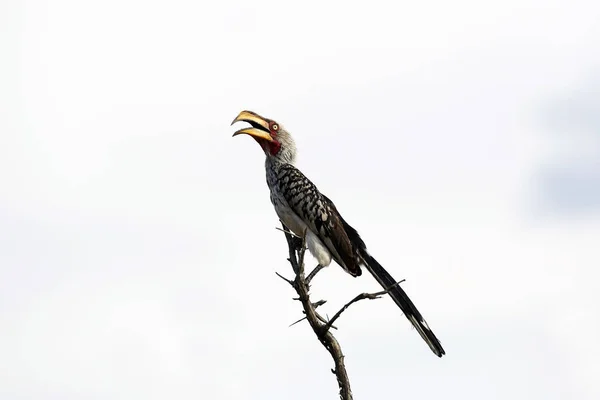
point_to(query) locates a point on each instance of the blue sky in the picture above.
(138, 246)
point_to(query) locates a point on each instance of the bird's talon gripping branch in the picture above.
(314, 272)
(298, 243)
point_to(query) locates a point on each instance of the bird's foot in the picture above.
(313, 273)
(297, 242)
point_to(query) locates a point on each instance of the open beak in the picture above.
(260, 127)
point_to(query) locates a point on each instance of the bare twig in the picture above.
(294, 323)
(285, 230)
(362, 296)
(319, 303)
(284, 278)
(292, 249)
(315, 305)
(323, 320)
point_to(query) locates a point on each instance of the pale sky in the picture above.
(138, 246)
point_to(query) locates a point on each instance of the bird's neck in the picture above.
(282, 155)
(273, 163)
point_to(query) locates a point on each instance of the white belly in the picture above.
(296, 225)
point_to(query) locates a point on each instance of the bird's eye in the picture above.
(275, 127)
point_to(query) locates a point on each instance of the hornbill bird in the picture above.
(310, 214)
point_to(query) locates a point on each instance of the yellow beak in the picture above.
(260, 127)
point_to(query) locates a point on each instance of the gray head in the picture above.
(271, 136)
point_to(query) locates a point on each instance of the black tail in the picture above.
(403, 301)
(396, 292)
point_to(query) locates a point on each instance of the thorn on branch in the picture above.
(319, 303)
(300, 320)
(325, 321)
(288, 232)
(284, 278)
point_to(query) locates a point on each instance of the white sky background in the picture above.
(138, 247)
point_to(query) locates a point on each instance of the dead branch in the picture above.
(325, 336)
(362, 296)
(321, 326)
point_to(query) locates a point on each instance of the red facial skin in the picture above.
(274, 146)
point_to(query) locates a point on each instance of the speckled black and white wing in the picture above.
(291, 189)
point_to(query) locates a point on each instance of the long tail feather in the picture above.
(396, 292)
(404, 302)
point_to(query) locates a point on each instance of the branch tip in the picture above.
(284, 278)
